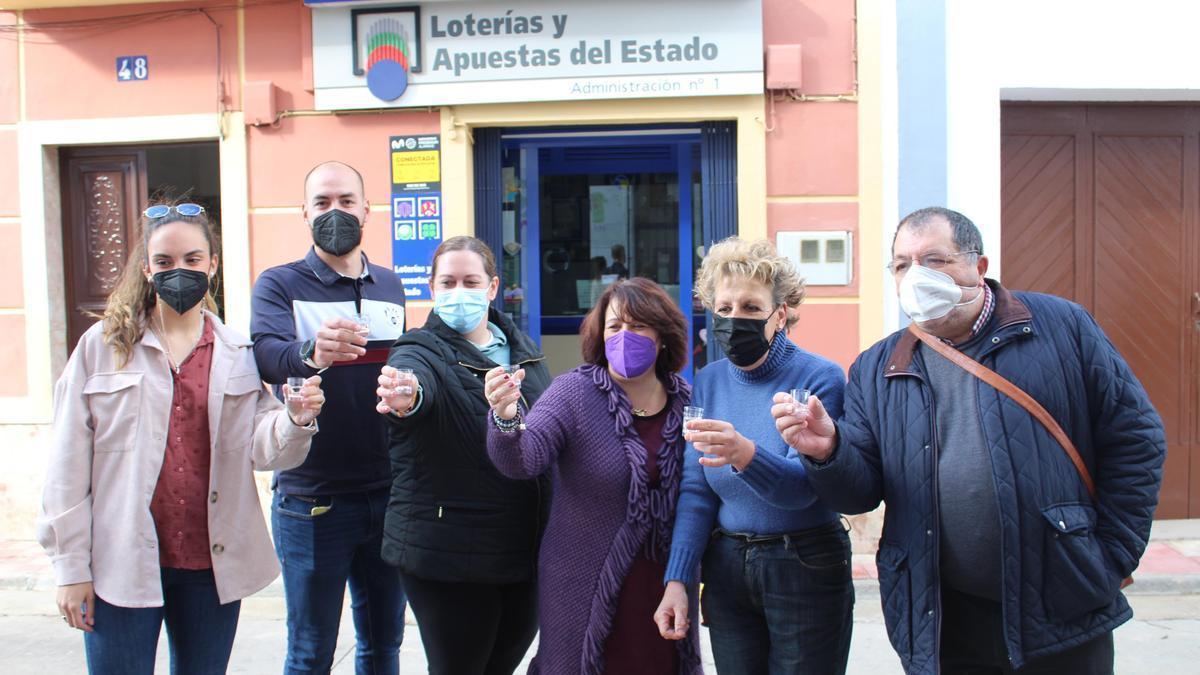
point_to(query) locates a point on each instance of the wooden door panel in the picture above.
(101, 198)
(1104, 201)
(1139, 256)
(1193, 449)
(1038, 211)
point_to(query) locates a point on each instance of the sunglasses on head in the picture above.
(161, 210)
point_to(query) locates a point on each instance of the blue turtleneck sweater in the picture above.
(772, 496)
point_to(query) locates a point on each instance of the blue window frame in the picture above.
(535, 158)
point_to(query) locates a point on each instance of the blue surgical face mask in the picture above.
(461, 308)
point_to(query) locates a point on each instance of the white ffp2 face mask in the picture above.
(927, 295)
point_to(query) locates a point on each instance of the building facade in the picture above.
(1071, 134)
(559, 131)
(583, 140)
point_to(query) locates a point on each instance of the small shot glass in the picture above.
(799, 398)
(691, 413)
(403, 381)
(511, 370)
(364, 324)
(292, 394)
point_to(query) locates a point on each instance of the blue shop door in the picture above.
(579, 210)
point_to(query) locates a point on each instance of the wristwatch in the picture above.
(308, 349)
(306, 354)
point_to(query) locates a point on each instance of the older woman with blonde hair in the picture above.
(774, 560)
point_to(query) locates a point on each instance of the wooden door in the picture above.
(1099, 204)
(102, 189)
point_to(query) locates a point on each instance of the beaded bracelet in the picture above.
(509, 426)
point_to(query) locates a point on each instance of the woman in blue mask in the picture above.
(775, 561)
(463, 536)
(609, 433)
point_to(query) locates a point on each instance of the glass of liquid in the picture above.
(691, 413)
(511, 370)
(403, 382)
(364, 324)
(293, 398)
(799, 399)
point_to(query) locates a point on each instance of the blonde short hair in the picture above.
(757, 260)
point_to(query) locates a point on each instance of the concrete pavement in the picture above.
(1163, 638)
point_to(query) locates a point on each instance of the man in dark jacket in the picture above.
(993, 556)
(333, 312)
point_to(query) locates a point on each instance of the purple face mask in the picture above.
(630, 354)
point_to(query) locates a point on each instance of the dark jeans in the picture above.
(784, 605)
(473, 629)
(319, 555)
(973, 643)
(200, 629)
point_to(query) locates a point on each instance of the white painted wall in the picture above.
(1060, 50)
(888, 152)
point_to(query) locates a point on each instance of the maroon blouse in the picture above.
(180, 503)
(634, 646)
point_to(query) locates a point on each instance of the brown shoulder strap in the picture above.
(1014, 392)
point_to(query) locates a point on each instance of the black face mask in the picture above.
(336, 232)
(743, 340)
(181, 288)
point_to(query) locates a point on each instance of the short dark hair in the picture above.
(966, 234)
(465, 243)
(646, 302)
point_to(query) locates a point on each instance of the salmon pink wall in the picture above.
(10, 202)
(280, 158)
(813, 149)
(828, 330)
(825, 31)
(417, 314)
(72, 74)
(12, 286)
(811, 216)
(278, 42)
(12, 357)
(812, 152)
(276, 239)
(9, 99)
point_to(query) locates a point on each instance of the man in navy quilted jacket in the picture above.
(994, 556)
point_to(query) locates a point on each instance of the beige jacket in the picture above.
(108, 444)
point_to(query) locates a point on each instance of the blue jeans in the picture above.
(319, 554)
(780, 605)
(200, 629)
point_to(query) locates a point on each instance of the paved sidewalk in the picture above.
(1164, 636)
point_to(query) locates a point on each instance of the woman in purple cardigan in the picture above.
(609, 434)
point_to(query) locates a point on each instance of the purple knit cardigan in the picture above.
(603, 511)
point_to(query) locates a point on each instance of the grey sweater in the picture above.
(967, 505)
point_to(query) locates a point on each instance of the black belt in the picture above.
(832, 527)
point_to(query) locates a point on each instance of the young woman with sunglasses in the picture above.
(149, 512)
